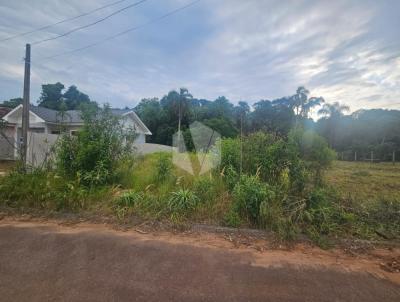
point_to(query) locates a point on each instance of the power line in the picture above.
(62, 21)
(122, 32)
(90, 24)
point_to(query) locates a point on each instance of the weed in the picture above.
(232, 219)
(163, 167)
(183, 200)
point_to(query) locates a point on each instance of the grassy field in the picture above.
(365, 181)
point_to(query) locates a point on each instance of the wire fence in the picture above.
(369, 156)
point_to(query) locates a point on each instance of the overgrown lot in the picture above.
(284, 184)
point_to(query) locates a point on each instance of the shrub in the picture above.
(46, 190)
(163, 167)
(248, 194)
(93, 155)
(325, 214)
(313, 150)
(231, 177)
(232, 219)
(230, 153)
(205, 188)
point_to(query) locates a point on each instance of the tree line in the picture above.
(376, 130)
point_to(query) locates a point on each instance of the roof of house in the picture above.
(75, 116)
(4, 111)
(54, 116)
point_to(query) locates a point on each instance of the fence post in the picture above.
(372, 156)
(355, 156)
(394, 157)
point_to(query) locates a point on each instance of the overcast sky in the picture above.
(346, 51)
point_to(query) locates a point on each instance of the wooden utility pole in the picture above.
(241, 142)
(25, 104)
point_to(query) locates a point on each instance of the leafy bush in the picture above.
(248, 194)
(93, 155)
(230, 153)
(204, 188)
(313, 150)
(231, 177)
(232, 219)
(163, 167)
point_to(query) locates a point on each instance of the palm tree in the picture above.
(333, 113)
(183, 104)
(301, 103)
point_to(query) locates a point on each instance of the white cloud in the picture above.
(341, 50)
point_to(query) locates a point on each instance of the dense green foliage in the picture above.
(271, 176)
(94, 153)
(53, 97)
(12, 103)
(362, 132)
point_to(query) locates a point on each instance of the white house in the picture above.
(48, 121)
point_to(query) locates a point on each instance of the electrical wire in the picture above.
(90, 24)
(122, 32)
(62, 21)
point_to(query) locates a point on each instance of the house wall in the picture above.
(37, 125)
(7, 143)
(54, 129)
(140, 139)
(129, 123)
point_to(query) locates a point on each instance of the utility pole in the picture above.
(241, 142)
(25, 104)
(179, 125)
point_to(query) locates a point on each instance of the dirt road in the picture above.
(49, 262)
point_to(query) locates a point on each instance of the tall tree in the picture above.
(51, 96)
(73, 98)
(275, 116)
(241, 112)
(333, 113)
(153, 116)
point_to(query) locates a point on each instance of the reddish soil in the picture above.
(47, 261)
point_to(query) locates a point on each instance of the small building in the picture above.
(48, 121)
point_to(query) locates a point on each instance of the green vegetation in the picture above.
(279, 176)
(365, 181)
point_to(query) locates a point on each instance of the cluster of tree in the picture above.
(55, 96)
(362, 132)
(177, 110)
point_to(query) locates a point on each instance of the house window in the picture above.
(55, 132)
